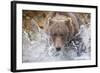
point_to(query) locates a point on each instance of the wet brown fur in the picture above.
(62, 28)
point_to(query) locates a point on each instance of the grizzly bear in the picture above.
(61, 27)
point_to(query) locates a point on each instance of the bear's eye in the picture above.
(61, 34)
(54, 34)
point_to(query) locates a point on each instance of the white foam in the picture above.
(40, 50)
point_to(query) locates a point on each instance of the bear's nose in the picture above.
(58, 49)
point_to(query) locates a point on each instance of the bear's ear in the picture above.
(68, 21)
(52, 14)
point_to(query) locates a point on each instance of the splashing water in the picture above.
(40, 49)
